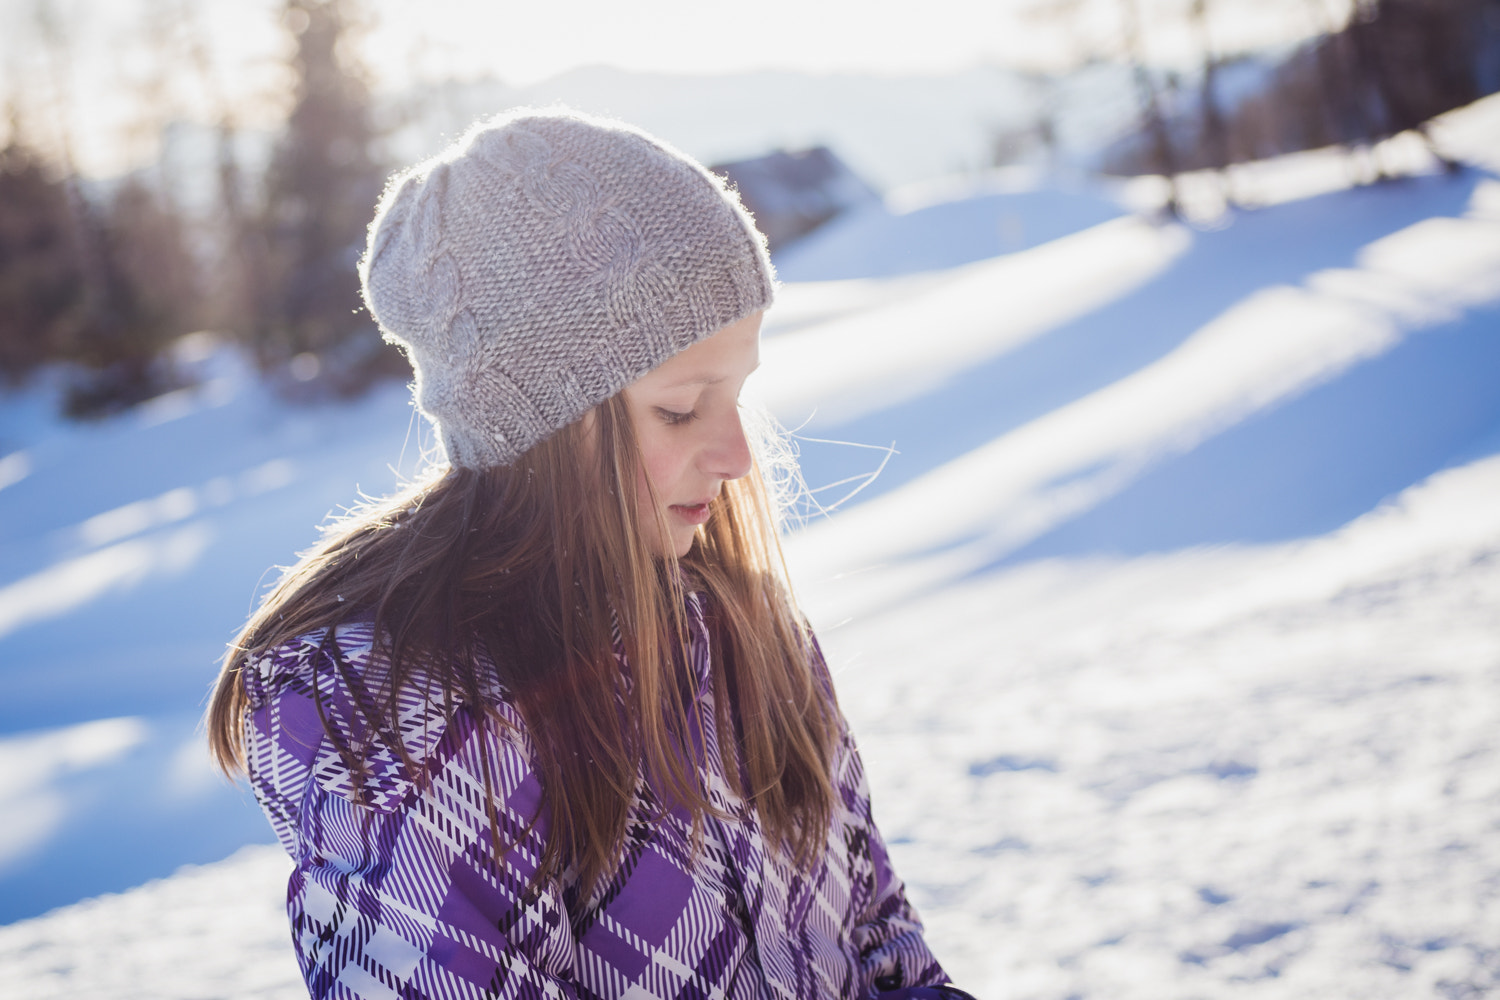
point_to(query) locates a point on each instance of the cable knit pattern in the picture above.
(544, 262)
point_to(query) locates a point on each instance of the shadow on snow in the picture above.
(1280, 245)
(1314, 463)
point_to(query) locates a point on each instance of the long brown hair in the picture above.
(524, 570)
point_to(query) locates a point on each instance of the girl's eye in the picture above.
(675, 417)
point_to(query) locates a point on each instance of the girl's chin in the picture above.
(682, 540)
(679, 541)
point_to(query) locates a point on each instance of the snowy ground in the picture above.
(1266, 771)
(1171, 633)
(1250, 772)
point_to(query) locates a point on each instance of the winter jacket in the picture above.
(395, 892)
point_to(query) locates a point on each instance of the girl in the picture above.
(548, 723)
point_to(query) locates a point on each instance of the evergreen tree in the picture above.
(150, 293)
(42, 307)
(143, 291)
(1394, 66)
(320, 190)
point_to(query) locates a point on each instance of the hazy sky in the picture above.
(526, 42)
(126, 55)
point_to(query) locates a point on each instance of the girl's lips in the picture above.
(694, 513)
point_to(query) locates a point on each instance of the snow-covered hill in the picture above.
(1169, 630)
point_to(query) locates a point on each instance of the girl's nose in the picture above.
(728, 452)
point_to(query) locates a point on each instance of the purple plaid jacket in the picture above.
(399, 896)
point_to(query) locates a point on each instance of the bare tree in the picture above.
(1213, 132)
(137, 280)
(41, 286)
(1066, 17)
(1163, 157)
(83, 222)
(1420, 58)
(1353, 88)
(238, 241)
(1391, 67)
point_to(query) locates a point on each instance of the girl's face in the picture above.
(687, 419)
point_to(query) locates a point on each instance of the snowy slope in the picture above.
(1270, 380)
(131, 551)
(1103, 778)
(1003, 213)
(1169, 633)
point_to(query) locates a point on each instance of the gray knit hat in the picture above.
(544, 262)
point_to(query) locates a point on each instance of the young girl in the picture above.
(549, 723)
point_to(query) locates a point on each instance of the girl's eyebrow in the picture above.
(701, 380)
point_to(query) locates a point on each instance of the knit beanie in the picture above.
(545, 261)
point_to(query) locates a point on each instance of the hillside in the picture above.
(1168, 628)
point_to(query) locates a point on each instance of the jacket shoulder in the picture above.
(320, 710)
(294, 664)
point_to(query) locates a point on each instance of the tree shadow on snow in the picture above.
(1316, 462)
(124, 821)
(1279, 245)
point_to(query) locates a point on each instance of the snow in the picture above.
(1169, 630)
(1003, 213)
(848, 367)
(212, 930)
(1282, 787)
(132, 549)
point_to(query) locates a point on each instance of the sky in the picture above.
(525, 43)
(132, 62)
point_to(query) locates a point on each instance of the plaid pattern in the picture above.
(398, 896)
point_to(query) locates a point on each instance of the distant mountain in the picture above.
(891, 130)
